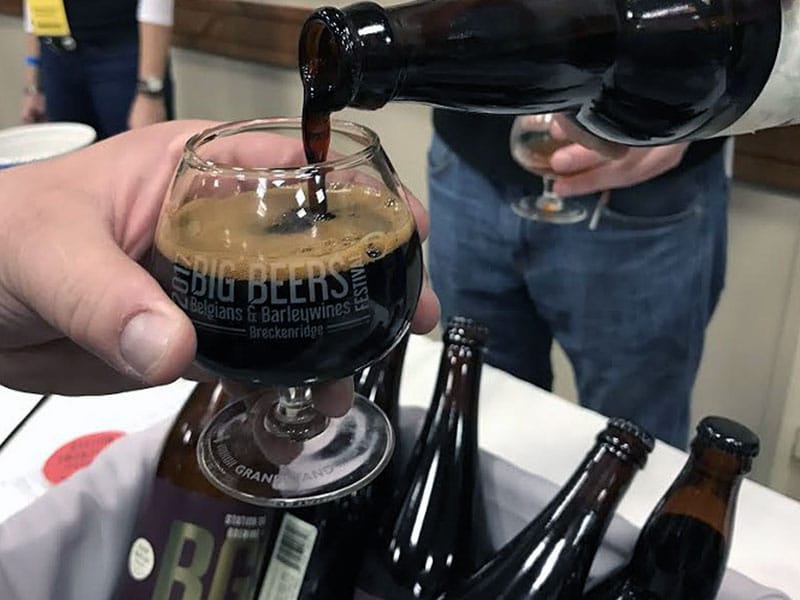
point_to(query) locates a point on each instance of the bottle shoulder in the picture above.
(178, 463)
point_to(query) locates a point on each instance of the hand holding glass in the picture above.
(532, 146)
(287, 302)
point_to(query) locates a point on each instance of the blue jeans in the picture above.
(94, 84)
(628, 301)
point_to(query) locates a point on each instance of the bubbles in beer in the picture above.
(299, 305)
(231, 231)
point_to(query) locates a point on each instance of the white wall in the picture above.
(751, 343)
(11, 55)
(751, 367)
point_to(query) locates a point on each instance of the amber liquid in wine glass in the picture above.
(532, 147)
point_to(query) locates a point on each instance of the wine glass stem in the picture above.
(293, 414)
(292, 404)
(548, 195)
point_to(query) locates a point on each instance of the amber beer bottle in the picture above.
(648, 72)
(319, 549)
(191, 541)
(380, 382)
(683, 548)
(551, 557)
(435, 520)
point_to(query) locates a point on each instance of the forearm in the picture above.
(31, 71)
(154, 45)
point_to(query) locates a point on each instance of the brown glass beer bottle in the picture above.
(191, 541)
(683, 548)
(649, 72)
(551, 557)
(322, 550)
(380, 383)
(434, 521)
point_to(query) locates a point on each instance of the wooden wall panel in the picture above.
(11, 7)
(770, 158)
(237, 29)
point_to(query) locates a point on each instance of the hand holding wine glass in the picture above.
(532, 146)
(85, 317)
(580, 169)
(294, 276)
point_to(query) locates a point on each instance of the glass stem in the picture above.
(293, 404)
(549, 201)
(292, 414)
(547, 191)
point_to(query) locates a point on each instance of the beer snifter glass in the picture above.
(532, 146)
(295, 276)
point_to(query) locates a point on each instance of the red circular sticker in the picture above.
(77, 454)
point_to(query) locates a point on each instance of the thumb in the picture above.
(85, 286)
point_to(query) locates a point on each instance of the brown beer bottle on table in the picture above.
(435, 520)
(191, 541)
(320, 548)
(380, 383)
(683, 548)
(551, 557)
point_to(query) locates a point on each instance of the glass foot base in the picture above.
(563, 212)
(240, 457)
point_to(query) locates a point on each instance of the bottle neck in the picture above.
(452, 418)
(458, 382)
(706, 490)
(380, 382)
(205, 401)
(569, 530)
(597, 485)
(501, 54)
(178, 460)
(683, 548)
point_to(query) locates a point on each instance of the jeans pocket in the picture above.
(669, 200)
(440, 157)
(612, 219)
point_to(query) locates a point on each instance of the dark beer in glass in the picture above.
(295, 276)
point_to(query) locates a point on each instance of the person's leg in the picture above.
(472, 252)
(112, 72)
(63, 81)
(630, 301)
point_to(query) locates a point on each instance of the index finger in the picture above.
(575, 158)
(564, 128)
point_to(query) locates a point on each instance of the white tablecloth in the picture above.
(534, 429)
(60, 420)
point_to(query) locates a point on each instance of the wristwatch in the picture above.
(150, 86)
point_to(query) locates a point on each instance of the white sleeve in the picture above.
(26, 17)
(157, 12)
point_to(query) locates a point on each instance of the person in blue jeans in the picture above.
(111, 72)
(628, 297)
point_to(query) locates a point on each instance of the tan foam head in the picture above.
(236, 231)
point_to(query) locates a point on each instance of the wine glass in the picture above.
(532, 146)
(286, 305)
